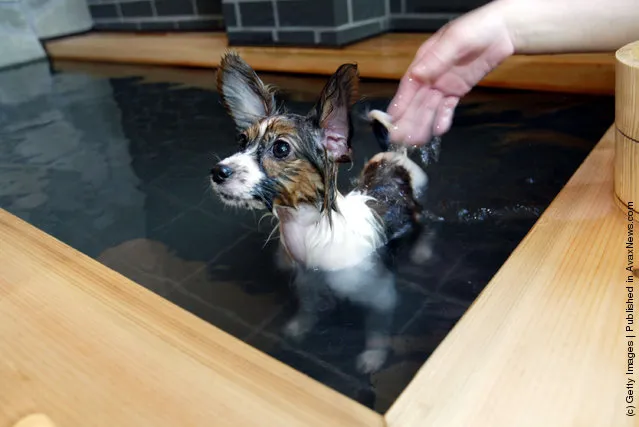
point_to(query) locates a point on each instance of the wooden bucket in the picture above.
(626, 169)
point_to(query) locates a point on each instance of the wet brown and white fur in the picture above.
(287, 164)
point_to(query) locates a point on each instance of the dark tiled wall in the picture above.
(157, 15)
(304, 22)
(281, 22)
(334, 22)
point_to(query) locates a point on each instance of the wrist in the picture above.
(569, 26)
(526, 24)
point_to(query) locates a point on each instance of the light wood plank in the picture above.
(384, 57)
(544, 344)
(85, 346)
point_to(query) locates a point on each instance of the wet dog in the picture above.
(287, 164)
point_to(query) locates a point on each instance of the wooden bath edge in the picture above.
(383, 57)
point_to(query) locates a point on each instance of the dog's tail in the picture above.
(381, 122)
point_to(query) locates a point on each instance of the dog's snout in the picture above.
(221, 173)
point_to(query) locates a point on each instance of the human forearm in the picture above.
(562, 26)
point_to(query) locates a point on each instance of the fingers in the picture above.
(416, 125)
(444, 115)
(436, 55)
(408, 85)
(406, 91)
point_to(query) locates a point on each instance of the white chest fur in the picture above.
(310, 239)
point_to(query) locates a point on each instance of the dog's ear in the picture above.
(332, 112)
(246, 98)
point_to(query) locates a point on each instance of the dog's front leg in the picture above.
(379, 321)
(308, 295)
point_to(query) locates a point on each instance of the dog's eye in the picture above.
(281, 149)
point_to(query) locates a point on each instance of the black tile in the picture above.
(250, 38)
(263, 278)
(229, 14)
(413, 345)
(339, 336)
(116, 26)
(136, 9)
(294, 38)
(443, 6)
(257, 14)
(174, 7)
(209, 7)
(396, 6)
(464, 290)
(162, 209)
(197, 236)
(103, 11)
(188, 182)
(426, 24)
(344, 37)
(201, 25)
(252, 300)
(367, 9)
(158, 26)
(301, 13)
(220, 317)
(329, 375)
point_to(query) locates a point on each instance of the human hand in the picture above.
(445, 68)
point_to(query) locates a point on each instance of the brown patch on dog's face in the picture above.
(286, 149)
(299, 182)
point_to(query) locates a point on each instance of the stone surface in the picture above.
(19, 43)
(55, 18)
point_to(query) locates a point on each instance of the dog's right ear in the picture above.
(246, 98)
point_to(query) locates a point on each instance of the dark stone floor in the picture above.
(117, 168)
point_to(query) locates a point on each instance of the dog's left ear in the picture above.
(332, 112)
(246, 98)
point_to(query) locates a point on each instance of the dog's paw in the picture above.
(421, 253)
(297, 328)
(369, 361)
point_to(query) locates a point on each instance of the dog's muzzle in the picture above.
(221, 173)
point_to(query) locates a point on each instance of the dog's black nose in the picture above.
(220, 173)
